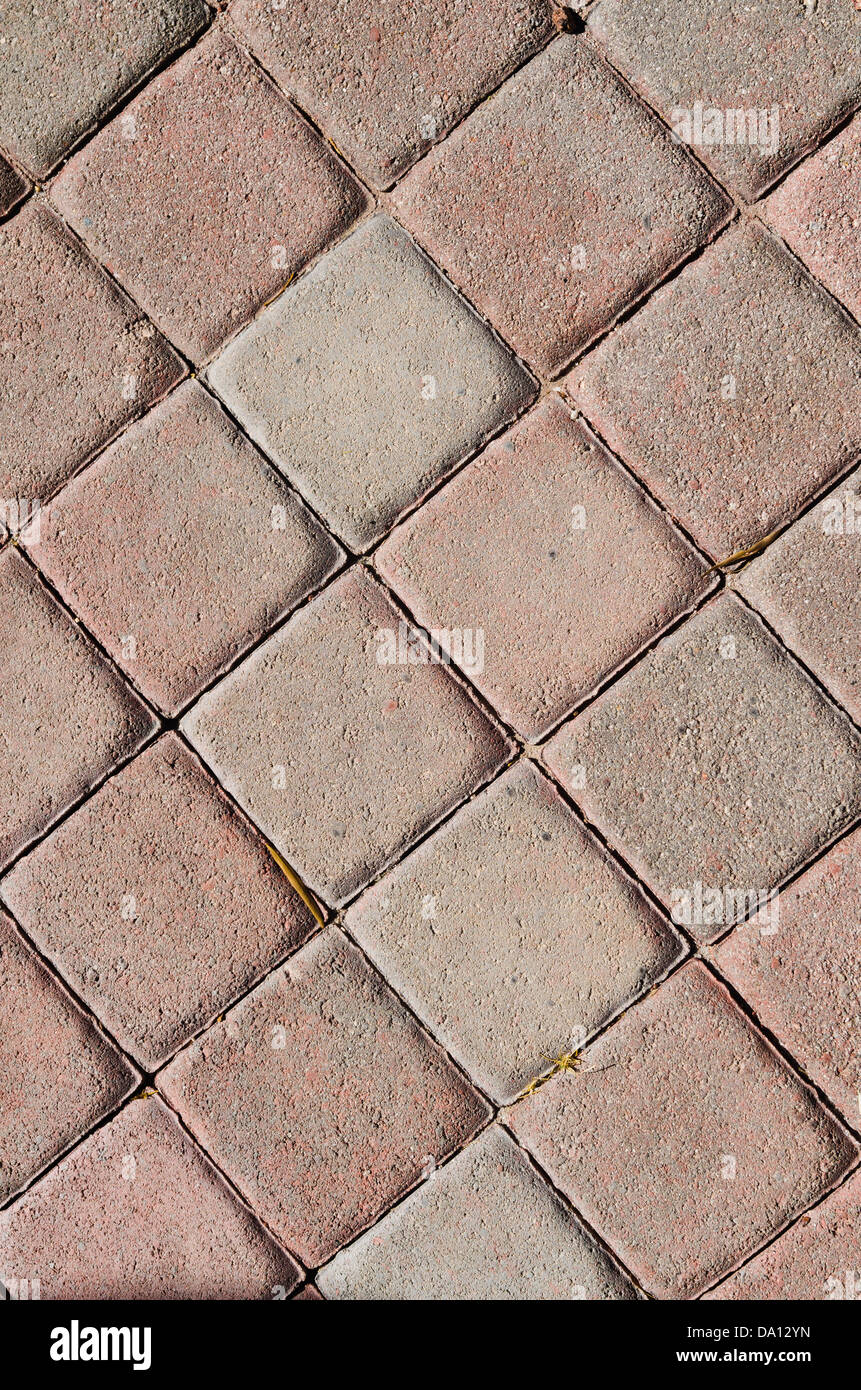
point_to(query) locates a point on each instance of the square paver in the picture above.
(569, 572)
(804, 980)
(322, 1098)
(512, 934)
(13, 186)
(78, 360)
(715, 766)
(341, 758)
(137, 1212)
(735, 393)
(816, 210)
(485, 1227)
(66, 64)
(807, 584)
(559, 202)
(66, 716)
(202, 549)
(207, 194)
(157, 902)
(817, 1259)
(385, 82)
(685, 1141)
(790, 76)
(60, 1075)
(368, 380)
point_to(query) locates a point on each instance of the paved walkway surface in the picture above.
(429, 855)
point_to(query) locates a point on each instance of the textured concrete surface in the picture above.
(558, 204)
(483, 1227)
(65, 64)
(79, 360)
(207, 195)
(800, 58)
(572, 570)
(365, 434)
(202, 549)
(313, 724)
(808, 586)
(385, 82)
(735, 394)
(58, 1073)
(816, 1259)
(804, 981)
(511, 933)
(321, 1098)
(722, 1148)
(66, 716)
(692, 762)
(384, 719)
(157, 902)
(815, 210)
(138, 1212)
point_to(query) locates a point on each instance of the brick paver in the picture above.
(138, 1212)
(816, 211)
(728, 57)
(804, 981)
(66, 716)
(816, 1259)
(734, 394)
(807, 585)
(343, 761)
(79, 360)
(321, 1098)
(692, 765)
(385, 82)
(511, 933)
(157, 902)
(486, 1226)
(206, 195)
(571, 570)
(203, 547)
(13, 186)
(60, 1075)
(558, 203)
(694, 1146)
(363, 434)
(65, 65)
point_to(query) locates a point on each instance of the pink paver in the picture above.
(695, 1146)
(78, 360)
(817, 1259)
(804, 979)
(385, 82)
(341, 759)
(735, 394)
(321, 1098)
(816, 211)
(13, 186)
(807, 584)
(58, 1074)
(207, 195)
(572, 569)
(66, 64)
(692, 764)
(202, 549)
(792, 74)
(558, 203)
(486, 1226)
(66, 716)
(157, 902)
(138, 1212)
(512, 934)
